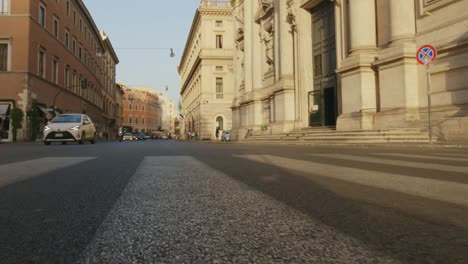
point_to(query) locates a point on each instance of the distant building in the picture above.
(53, 55)
(167, 114)
(206, 71)
(141, 111)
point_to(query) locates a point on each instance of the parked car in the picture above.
(140, 136)
(127, 136)
(226, 136)
(69, 128)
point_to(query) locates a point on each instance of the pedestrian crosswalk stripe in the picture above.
(19, 171)
(411, 164)
(451, 192)
(404, 155)
(179, 210)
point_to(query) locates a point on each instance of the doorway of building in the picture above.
(322, 107)
(323, 99)
(219, 126)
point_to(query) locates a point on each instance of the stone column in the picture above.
(402, 20)
(257, 58)
(362, 26)
(248, 52)
(358, 79)
(285, 58)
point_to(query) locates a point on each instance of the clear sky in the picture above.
(144, 24)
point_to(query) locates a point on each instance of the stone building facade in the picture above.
(206, 71)
(141, 110)
(52, 55)
(349, 64)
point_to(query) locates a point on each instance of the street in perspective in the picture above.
(233, 131)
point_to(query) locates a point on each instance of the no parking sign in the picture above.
(426, 55)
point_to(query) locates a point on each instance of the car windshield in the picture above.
(128, 134)
(67, 119)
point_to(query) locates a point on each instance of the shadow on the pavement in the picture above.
(52, 218)
(392, 222)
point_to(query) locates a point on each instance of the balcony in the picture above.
(215, 3)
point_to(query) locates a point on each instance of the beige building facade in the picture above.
(349, 64)
(206, 71)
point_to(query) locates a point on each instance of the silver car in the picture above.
(70, 128)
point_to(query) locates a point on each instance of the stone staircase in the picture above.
(329, 135)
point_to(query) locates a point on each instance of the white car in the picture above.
(70, 128)
(127, 136)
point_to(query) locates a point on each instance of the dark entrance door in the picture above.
(323, 98)
(329, 97)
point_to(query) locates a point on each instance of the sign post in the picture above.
(426, 55)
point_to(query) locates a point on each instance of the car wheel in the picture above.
(82, 140)
(47, 143)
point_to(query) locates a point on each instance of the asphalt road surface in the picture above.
(187, 202)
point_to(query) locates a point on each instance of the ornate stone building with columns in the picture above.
(349, 64)
(206, 71)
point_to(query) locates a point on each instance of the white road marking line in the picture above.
(20, 171)
(403, 155)
(411, 164)
(456, 193)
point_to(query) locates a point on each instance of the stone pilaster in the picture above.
(358, 79)
(397, 66)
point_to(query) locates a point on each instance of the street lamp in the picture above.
(83, 85)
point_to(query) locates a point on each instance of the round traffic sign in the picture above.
(426, 54)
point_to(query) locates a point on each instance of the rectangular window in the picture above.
(3, 57)
(67, 39)
(219, 41)
(68, 7)
(129, 120)
(136, 120)
(4, 7)
(56, 27)
(219, 23)
(73, 83)
(219, 88)
(142, 108)
(81, 25)
(41, 63)
(219, 68)
(67, 77)
(142, 120)
(42, 15)
(55, 70)
(80, 51)
(130, 106)
(74, 46)
(74, 17)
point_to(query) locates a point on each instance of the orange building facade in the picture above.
(142, 110)
(52, 56)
